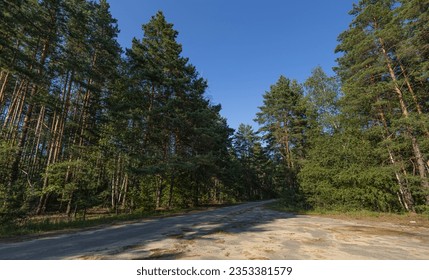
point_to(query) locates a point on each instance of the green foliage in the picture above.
(254, 170)
(370, 149)
(184, 140)
(323, 94)
(284, 123)
(10, 194)
(84, 127)
(374, 70)
(74, 180)
(343, 172)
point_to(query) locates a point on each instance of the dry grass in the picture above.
(404, 219)
(399, 219)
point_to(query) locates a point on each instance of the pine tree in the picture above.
(372, 76)
(87, 63)
(283, 122)
(245, 141)
(171, 116)
(254, 169)
(34, 35)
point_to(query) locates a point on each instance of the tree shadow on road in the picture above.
(205, 228)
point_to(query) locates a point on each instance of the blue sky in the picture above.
(242, 47)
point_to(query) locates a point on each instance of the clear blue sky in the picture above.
(241, 46)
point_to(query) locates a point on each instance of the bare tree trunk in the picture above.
(124, 196)
(170, 195)
(23, 138)
(411, 90)
(83, 122)
(115, 186)
(14, 113)
(149, 117)
(55, 146)
(4, 79)
(69, 204)
(113, 193)
(159, 190)
(27, 119)
(284, 139)
(406, 199)
(38, 135)
(405, 196)
(50, 150)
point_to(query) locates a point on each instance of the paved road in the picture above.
(247, 231)
(114, 238)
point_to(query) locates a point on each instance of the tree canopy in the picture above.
(85, 124)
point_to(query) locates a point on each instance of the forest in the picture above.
(86, 124)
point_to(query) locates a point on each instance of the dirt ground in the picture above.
(263, 234)
(241, 232)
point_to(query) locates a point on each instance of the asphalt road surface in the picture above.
(246, 231)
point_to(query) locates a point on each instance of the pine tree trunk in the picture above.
(284, 140)
(411, 90)
(159, 190)
(23, 138)
(4, 79)
(124, 197)
(14, 113)
(415, 145)
(69, 204)
(170, 195)
(406, 199)
(27, 119)
(405, 196)
(115, 185)
(38, 135)
(57, 131)
(197, 193)
(113, 194)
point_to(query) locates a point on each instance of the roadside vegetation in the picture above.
(85, 124)
(398, 218)
(35, 226)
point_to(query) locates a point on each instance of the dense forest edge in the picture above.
(86, 125)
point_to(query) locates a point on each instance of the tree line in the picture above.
(85, 124)
(359, 140)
